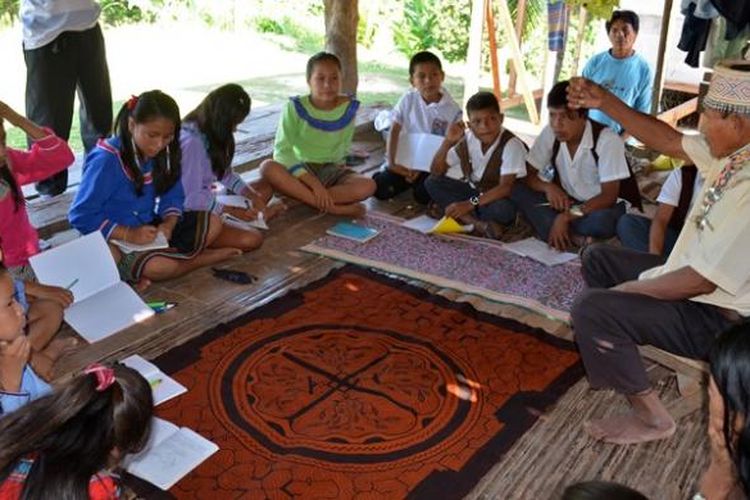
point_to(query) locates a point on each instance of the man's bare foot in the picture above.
(628, 429)
(648, 420)
(355, 210)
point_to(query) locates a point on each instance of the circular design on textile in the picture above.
(344, 394)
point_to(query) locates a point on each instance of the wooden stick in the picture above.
(520, 18)
(659, 73)
(523, 77)
(490, 16)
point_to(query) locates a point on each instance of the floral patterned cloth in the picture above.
(468, 264)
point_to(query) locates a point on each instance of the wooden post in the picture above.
(341, 18)
(474, 52)
(659, 73)
(520, 18)
(523, 77)
(491, 33)
(582, 18)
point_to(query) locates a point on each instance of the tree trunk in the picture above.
(341, 19)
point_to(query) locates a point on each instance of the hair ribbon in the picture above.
(105, 376)
(132, 102)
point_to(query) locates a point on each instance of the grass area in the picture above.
(16, 138)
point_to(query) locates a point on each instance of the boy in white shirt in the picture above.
(473, 171)
(658, 235)
(426, 108)
(577, 168)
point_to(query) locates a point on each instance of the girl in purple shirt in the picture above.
(207, 143)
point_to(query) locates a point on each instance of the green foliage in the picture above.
(601, 9)
(452, 28)
(117, 12)
(416, 30)
(8, 10)
(268, 25)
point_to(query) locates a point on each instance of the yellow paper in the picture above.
(448, 225)
(663, 162)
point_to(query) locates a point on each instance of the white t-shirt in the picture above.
(672, 188)
(719, 251)
(45, 20)
(418, 117)
(514, 158)
(580, 177)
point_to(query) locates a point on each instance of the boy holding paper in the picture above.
(473, 171)
(426, 108)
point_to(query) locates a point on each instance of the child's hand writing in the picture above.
(143, 234)
(13, 357)
(58, 294)
(455, 132)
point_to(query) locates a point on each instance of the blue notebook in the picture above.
(352, 231)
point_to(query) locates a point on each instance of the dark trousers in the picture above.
(634, 231)
(599, 224)
(74, 61)
(609, 325)
(389, 184)
(445, 191)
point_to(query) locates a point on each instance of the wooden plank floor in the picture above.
(554, 453)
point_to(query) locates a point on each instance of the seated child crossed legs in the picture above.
(426, 108)
(312, 141)
(473, 171)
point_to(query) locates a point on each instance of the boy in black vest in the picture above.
(473, 171)
(658, 235)
(577, 176)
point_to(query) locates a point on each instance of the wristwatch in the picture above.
(474, 200)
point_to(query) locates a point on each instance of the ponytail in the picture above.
(71, 433)
(148, 106)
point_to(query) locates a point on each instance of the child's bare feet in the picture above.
(274, 209)
(142, 285)
(355, 210)
(628, 429)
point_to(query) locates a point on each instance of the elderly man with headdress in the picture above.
(680, 305)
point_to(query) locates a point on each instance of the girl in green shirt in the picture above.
(312, 141)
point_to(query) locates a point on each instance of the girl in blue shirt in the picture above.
(130, 191)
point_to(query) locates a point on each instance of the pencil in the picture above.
(72, 284)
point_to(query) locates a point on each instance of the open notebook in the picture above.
(103, 304)
(238, 201)
(427, 225)
(416, 151)
(159, 243)
(163, 386)
(170, 454)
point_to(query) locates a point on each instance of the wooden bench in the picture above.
(254, 143)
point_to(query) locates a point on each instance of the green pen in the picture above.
(155, 383)
(159, 304)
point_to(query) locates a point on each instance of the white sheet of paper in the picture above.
(103, 304)
(86, 259)
(163, 386)
(423, 223)
(234, 200)
(107, 312)
(231, 220)
(159, 242)
(170, 456)
(416, 151)
(539, 251)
